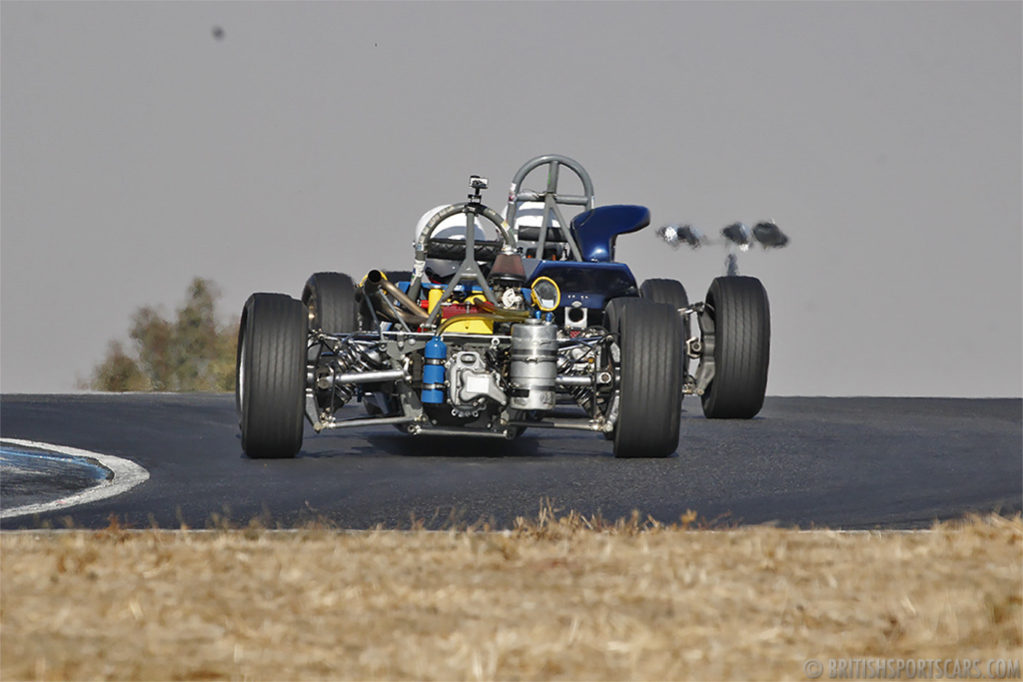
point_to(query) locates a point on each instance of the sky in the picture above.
(140, 150)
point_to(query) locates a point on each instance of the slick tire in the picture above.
(742, 348)
(270, 379)
(329, 298)
(650, 389)
(672, 292)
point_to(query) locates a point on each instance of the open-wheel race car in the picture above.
(504, 323)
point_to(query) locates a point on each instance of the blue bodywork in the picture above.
(596, 230)
(592, 284)
(596, 279)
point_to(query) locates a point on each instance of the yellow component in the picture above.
(469, 324)
(481, 322)
(475, 298)
(483, 325)
(433, 296)
(546, 294)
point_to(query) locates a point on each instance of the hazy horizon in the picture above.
(140, 150)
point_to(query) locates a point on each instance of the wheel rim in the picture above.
(314, 321)
(242, 357)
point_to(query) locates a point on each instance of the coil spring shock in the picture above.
(584, 398)
(592, 399)
(348, 357)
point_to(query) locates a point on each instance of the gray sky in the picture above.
(138, 151)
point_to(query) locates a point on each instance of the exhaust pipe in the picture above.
(375, 281)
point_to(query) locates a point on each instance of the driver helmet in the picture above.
(530, 214)
(449, 228)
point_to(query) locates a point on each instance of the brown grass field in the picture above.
(555, 598)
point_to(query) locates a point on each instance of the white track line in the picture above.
(127, 475)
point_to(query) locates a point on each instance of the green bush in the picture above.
(193, 352)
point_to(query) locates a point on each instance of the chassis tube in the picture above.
(369, 377)
(368, 421)
(584, 381)
(576, 424)
(574, 381)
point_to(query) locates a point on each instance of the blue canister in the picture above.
(436, 353)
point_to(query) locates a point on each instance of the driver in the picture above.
(528, 223)
(439, 269)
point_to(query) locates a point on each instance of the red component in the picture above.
(451, 309)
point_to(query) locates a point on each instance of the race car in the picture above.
(505, 322)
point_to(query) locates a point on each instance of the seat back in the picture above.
(596, 230)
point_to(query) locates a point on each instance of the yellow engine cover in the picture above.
(472, 327)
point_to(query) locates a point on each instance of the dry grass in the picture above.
(557, 598)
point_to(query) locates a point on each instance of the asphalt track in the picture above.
(836, 462)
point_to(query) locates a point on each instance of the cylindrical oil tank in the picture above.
(534, 369)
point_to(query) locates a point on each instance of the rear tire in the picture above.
(672, 292)
(329, 298)
(742, 348)
(650, 390)
(270, 385)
